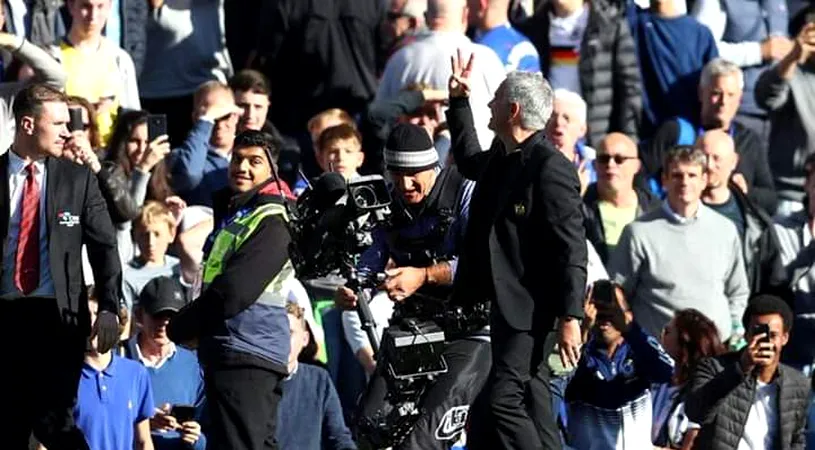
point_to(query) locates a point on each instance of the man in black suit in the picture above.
(50, 208)
(525, 251)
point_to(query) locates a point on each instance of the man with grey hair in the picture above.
(720, 91)
(422, 62)
(404, 24)
(567, 130)
(524, 251)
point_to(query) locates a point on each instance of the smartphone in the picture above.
(156, 126)
(603, 292)
(762, 328)
(183, 413)
(75, 122)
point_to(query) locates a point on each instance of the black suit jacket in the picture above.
(73, 191)
(525, 246)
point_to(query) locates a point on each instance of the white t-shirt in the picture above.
(762, 422)
(565, 36)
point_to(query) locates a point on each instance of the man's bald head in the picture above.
(447, 15)
(721, 156)
(616, 164)
(617, 141)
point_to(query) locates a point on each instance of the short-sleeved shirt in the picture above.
(614, 221)
(512, 47)
(111, 402)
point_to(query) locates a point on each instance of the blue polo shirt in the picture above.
(111, 402)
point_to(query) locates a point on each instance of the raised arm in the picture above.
(470, 159)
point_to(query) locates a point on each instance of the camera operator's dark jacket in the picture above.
(232, 326)
(417, 236)
(593, 221)
(762, 255)
(525, 247)
(720, 396)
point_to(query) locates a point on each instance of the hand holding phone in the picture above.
(75, 122)
(183, 413)
(156, 126)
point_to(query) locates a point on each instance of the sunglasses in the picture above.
(394, 16)
(618, 159)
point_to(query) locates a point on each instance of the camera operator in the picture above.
(422, 241)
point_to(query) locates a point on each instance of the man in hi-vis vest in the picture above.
(239, 318)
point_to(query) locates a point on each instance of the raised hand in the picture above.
(459, 84)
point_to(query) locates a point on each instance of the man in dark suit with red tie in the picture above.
(50, 208)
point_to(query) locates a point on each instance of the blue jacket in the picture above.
(197, 170)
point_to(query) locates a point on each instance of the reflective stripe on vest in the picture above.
(231, 238)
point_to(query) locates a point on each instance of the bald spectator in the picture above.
(759, 242)
(567, 130)
(720, 91)
(614, 201)
(422, 62)
(404, 24)
(199, 167)
(490, 19)
(682, 255)
(586, 47)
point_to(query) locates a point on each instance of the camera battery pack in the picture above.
(414, 348)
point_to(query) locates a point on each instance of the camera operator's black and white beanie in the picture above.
(409, 149)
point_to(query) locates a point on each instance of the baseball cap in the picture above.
(162, 294)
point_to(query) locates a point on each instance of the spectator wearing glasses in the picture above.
(682, 255)
(614, 200)
(748, 399)
(761, 252)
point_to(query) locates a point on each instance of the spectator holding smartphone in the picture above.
(748, 399)
(174, 372)
(689, 338)
(608, 398)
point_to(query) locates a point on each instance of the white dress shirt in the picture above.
(16, 183)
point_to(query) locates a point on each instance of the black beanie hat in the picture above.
(409, 148)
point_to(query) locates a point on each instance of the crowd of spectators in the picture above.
(691, 126)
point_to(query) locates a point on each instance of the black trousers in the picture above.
(43, 360)
(445, 405)
(514, 411)
(242, 407)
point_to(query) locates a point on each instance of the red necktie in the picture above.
(27, 263)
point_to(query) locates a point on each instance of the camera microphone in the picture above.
(328, 190)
